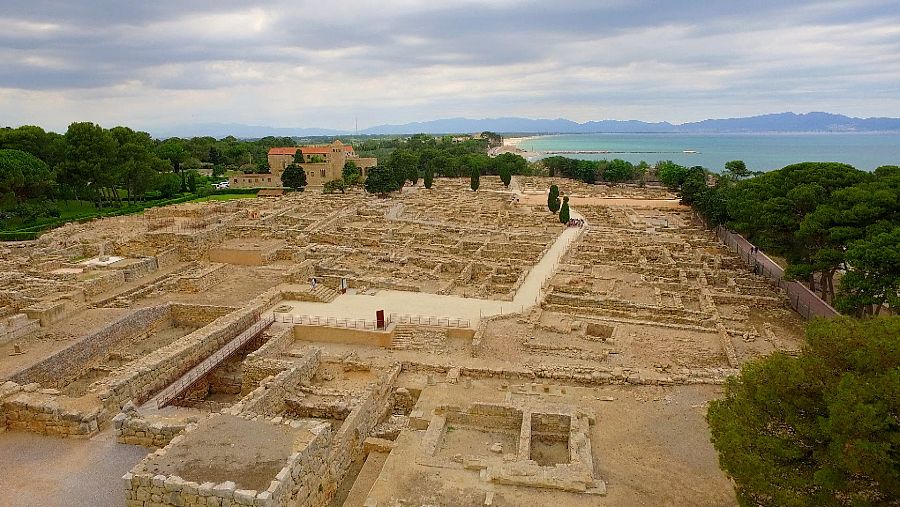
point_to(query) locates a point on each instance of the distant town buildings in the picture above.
(321, 163)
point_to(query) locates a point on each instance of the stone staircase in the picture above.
(323, 294)
(425, 338)
(403, 337)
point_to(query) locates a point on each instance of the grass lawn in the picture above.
(224, 197)
(75, 208)
(68, 211)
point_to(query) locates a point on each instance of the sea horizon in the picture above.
(763, 152)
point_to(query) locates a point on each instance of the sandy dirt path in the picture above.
(358, 306)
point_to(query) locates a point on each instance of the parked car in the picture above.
(221, 185)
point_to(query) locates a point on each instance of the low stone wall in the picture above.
(257, 366)
(479, 333)
(140, 379)
(28, 408)
(167, 258)
(347, 445)
(198, 315)
(70, 363)
(131, 428)
(724, 298)
(47, 312)
(203, 280)
(269, 397)
(102, 283)
(584, 375)
(16, 326)
(140, 268)
(343, 335)
(296, 484)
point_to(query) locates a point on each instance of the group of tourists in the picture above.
(575, 222)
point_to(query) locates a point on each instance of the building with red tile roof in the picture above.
(322, 163)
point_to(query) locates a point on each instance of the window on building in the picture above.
(322, 172)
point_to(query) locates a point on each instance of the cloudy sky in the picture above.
(322, 64)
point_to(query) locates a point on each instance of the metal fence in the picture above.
(197, 372)
(315, 320)
(428, 321)
(805, 301)
(393, 318)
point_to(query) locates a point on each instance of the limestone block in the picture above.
(244, 497)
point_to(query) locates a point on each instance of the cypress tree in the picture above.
(553, 199)
(564, 212)
(476, 179)
(429, 176)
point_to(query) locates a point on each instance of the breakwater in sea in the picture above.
(603, 152)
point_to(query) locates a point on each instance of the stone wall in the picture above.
(203, 280)
(347, 446)
(343, 335)
(16, 326)
(197, 315)
(47, 312)
(103, 282)
(131, 428)
(585, 375)
(167, 258)
(140, 379)
(140, 268)
(28, 408)
(257, 364)
(296, 484)
(268, 398)
(69, 363)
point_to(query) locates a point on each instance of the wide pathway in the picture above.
(65, 472)
(358, 306)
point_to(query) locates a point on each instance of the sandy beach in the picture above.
(511, 145)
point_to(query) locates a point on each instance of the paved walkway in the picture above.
(357, 306)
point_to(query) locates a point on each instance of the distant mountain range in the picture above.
(779, 122)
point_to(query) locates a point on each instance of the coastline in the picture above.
(511, 145)
(760, 152)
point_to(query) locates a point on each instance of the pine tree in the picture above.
(294, 177)
(476, 179)
(382, 180)
(816, 429)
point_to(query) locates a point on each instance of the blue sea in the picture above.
(761, 152)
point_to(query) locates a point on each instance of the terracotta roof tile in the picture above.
(307, 150)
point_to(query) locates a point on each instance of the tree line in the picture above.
(424, 156)
(829, 221)
(821, 428)
(595, 171)
(112, 167)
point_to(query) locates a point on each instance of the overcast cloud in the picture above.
(322, 64)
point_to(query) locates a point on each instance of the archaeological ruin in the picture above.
(438, 347)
